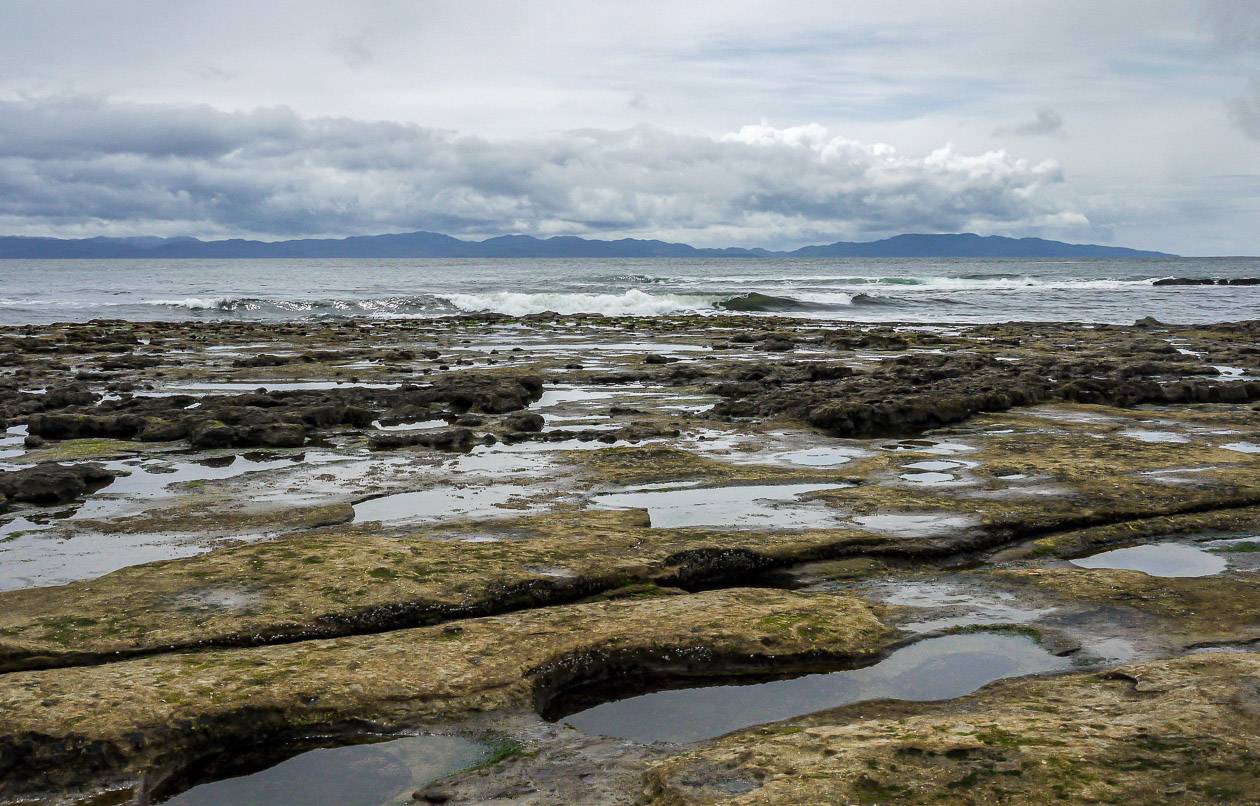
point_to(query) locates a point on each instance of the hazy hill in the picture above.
(436, 245)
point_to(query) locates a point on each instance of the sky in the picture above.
(773, 124)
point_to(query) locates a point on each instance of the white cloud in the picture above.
(74, 165)
(1143, 86)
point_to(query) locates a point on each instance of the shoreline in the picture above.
(248, 533)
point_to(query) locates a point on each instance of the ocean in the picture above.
(921, 290)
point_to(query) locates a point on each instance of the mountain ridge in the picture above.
(422, 244)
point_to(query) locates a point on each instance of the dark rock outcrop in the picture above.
(920, 391)
(51, 483)
(527, 421)
(451, 439)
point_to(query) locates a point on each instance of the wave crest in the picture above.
(633, 302)
(627, 303)
(196, 303)
(402, 304)
(754, 302)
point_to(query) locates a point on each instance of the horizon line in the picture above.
(770, 252)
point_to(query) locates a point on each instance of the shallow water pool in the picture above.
(1158, 560)
(933, 669)
(760, 506)
(379, 774)
(439, 503)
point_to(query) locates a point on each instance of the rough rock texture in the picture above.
(1177, 731)
(524, 421)
(335, 584)
(1061, 440)
(52, 483)
(1210, 609)
(275, 419)
(343, 581)
(68, 728)
(921, 391)
(449, 439)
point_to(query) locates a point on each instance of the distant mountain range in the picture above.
(436, 245)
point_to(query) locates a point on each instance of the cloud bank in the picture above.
(84, 166)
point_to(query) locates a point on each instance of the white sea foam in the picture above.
(628, 303)
(193, 303)
(35, 302)
(828, 298)
(955, 291)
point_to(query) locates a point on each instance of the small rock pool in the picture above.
(761, 506)
(379, 774)
(932, 669)
(1158, 560)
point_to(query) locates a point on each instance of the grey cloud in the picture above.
(1245, 109)
(1047, 122)
(354, 51)
(1235, 24)
(76, 165)
(1236, 27)
(212, 73)
(63, 127)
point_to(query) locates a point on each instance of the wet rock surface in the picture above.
(235, 534)
(119, 720)
(1143, 733)
(51, 483)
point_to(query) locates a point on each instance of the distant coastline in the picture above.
(437, 245)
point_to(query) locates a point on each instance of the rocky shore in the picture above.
(219, 535)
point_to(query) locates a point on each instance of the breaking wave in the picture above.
(924, 297)
(198, 303)
(918, 291)
(628, 303)
(641, 303)
(633, 302)
(405, 304)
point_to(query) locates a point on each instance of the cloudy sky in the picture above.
(742, 123)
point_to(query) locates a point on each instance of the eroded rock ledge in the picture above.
(71, 729)
(1147, 733)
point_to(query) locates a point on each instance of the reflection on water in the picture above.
(747, 506)
(1158, 560)
(381, 774)
(439, 503)
(934, 669)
